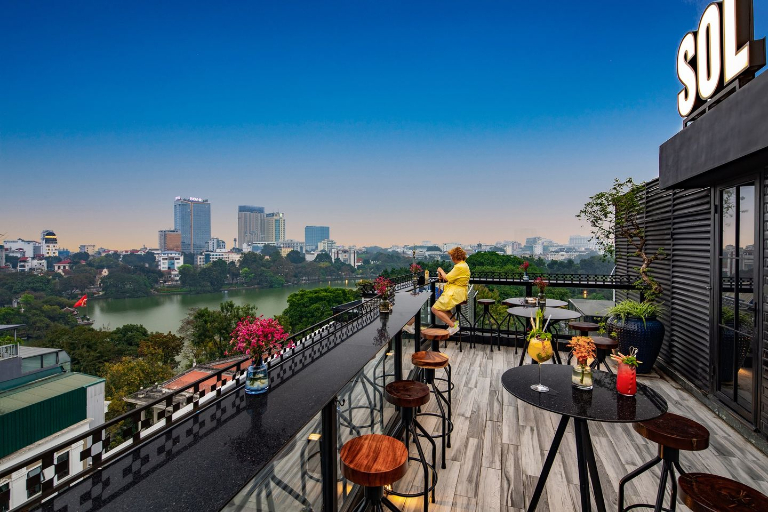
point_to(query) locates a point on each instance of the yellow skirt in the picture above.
(451, 297)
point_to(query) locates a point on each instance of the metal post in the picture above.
(399, 355)
(417, 330)
(328, 456)
(529, 289)
(431, 302)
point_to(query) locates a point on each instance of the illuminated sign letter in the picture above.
(708, 51)
(687, 98)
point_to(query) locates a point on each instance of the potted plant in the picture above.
(583, 350)
(260, 338)
(626, 375)
(383, 287)
(636, 324)
(541, 284)
(366, 289)
(612, 215)
(415, 271)
(524, 267)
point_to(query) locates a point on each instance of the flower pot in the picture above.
(542, 301)
(581, 377)
(385, 307)
(646, 336)
(257, 379)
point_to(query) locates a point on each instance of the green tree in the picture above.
(119, 284)
(162, 347)
(323, 257)
(209, 331)
(127, 338)
(127, 376)
(295, 257)
(308, 307)
(89, 349)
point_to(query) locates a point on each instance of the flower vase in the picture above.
(626, 379)
(257, 379)
(581, 377)
(542, 301)
(525, 276)
(385, 307)
(415, 281)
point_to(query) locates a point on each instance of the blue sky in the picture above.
(390, 121)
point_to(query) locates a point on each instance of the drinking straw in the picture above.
(546, 324)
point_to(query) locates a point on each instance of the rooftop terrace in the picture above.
(281, 449)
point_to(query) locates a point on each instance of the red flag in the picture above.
(81, 302)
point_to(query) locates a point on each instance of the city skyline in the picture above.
(270, 103)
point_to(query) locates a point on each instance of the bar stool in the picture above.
(436, 336)
(672, 433)
(408, 395)
(604, 346)
(458, 315)
(583, 329)
(702, 492)
(374, 461)
(487, 303)
(428, 362)
(509, 303)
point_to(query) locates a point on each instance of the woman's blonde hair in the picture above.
(457, 254)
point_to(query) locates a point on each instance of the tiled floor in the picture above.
(499, 445)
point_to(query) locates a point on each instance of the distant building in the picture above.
(291, 245)
(50, 243)
(251, 225)
(168, 240)
(2, 256)
(36, 264)
(275, 231)
(348, 256)
(326, 245)
(63, 267)
(90, 249)
(216, 244)
(20, 248)
(313, 235)
(192, 218)
(42, 404)
(169, 260)
(581, 242)
(209, 256)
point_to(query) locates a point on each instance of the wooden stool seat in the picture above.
(674, 431)
(407, 393)
(583, 326)
(433, 333)
(709, 493)
(374, 460)
(429, 360)
(605, 343)
(486, 301)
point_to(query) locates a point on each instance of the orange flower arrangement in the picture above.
(583, 349)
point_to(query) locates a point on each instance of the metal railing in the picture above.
(10, 350)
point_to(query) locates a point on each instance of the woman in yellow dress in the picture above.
(455, 291)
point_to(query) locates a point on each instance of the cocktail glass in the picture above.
(540, 351)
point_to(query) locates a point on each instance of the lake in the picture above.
(165, 312)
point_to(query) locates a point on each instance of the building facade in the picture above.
(21, 248)
(168, 240)
(251, 225)
(275, 231)
(709, 211)
(313, 235)
(50, 243)
(215, 244)
(169, 260)
(192, 218)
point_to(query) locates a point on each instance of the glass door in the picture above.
(737, 364)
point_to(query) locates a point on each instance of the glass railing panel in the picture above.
(362, 408)
(292, 481)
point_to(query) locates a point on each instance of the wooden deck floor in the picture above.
(499, 446)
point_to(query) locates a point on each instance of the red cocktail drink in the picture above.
(626, 380)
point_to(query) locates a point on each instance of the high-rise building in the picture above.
(88, 248)
(192, 218)
(169, 240)
(50, 243)
(251, 225)
(313, 235)
(216, 244)
(275, 231)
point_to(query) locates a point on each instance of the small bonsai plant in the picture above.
(365, 287)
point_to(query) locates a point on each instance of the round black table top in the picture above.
(557, 313)
(602, 403)
(520, 301)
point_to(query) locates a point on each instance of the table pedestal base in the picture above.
(586, 461)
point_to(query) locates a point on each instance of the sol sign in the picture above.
(722, 49)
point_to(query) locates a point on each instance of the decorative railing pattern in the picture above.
(559, 280)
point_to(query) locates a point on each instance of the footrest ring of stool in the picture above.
(416, 494)
(448, 425)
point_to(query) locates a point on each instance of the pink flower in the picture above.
(525, 266)
(258, 337)
(382, 285)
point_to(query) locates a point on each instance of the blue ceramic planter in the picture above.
(646, 336)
